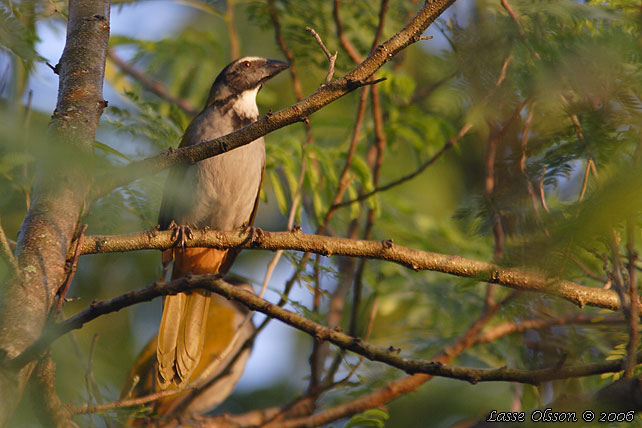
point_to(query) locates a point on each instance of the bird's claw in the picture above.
(181, 234)
(255, 235)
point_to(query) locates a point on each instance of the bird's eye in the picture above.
(247, 64)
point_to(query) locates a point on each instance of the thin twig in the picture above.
(334, 315)
(382, 18)
(496, 219)
(522, 33)
(507, 328)
(522, 162)
(62, 292)
(585, 180)
(232, 34)
(150, 84)
(88, 379)
(379, 145)
(587, 271)
(366, 337)
(25, 168)
(317, 356)
(330, 213)
(280, 40)
(576, 122)
(331, 58)
(344, 176)
(620, 287)
(513, 15)
(542, 195)
(634, 318)
(450, 143)
(7, 254)
(343, 40)
(119, 404)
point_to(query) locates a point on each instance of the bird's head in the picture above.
(244, 74)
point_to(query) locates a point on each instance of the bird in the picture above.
(219, 193)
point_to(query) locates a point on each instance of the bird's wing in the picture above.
(174, 197)
(233, 252)
(172, 186)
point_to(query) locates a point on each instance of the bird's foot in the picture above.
(152, 233)
(255, 235)
(181, 233)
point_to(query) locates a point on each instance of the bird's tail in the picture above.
(182, 330)
(228, 330)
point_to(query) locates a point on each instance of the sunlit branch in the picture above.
(331, 58)
(382, 250)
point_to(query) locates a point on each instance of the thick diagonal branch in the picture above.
(389, 356)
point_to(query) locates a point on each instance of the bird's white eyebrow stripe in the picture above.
(249, 58)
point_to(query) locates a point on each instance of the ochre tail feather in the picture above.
(173, 310)
(182, 329)
(191, 335)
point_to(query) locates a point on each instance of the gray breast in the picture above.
(225, 187)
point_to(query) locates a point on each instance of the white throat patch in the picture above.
(245, 105)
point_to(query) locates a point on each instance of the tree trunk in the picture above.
(62, 183)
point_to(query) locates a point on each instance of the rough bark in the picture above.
(382, 250)
(59, 193)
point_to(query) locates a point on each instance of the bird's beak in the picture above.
(274, 67)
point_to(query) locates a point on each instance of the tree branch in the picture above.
(390, 356)
(50, 408)
(507, 328)
(343, 40)
(280, 40)
(415, 259)
(6, 254)
(150, 84)
(450, 143)
(331, 58)
(295, 113)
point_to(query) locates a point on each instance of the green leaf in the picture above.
(111, 150)
(17, 39)
(369, 418)
(281, 200)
